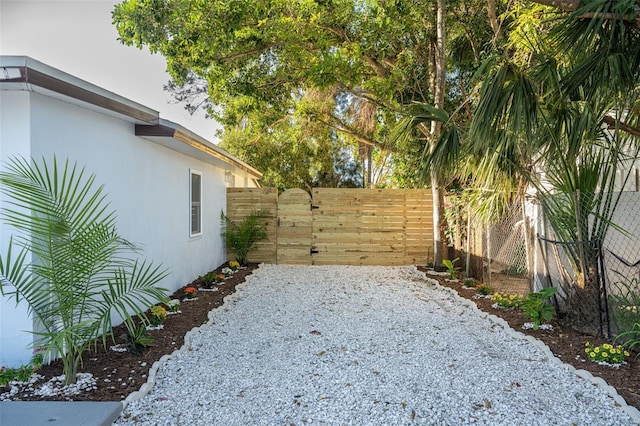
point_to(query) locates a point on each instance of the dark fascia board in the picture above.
(168, 129)
(30, 74)
(25, 73)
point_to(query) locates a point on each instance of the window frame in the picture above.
(195, 204)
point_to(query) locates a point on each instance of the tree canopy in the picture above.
(477, 93)
(249, 61)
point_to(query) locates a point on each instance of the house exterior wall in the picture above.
(146, 183)
(621, 247)
(15, 134)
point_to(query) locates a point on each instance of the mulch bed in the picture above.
(565, 343)
(118, 374)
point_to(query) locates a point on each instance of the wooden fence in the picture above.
(340, 226)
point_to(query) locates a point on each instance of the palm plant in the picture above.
(241, 238)
(542, 116)
(67, 261)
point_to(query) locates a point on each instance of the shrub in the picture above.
(536, 307)
(508, 301)
(242, 238)
(606, 353)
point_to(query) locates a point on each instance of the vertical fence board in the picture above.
(241, 202)
(294, 227)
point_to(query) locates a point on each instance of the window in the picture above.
(196, 203)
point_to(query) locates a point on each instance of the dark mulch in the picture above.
(120, 373)
(567, 344)
(127, 372)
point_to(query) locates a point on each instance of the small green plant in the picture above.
(173, 305)
(624, 303)
(484, 289)
(208, 279)
(631, 338)
(470, 282)
(22, 373)
(452, 270)
(158, 315)
(242, 238)
(606, 354)
(138, 339)
(508, 301)
(536, 308)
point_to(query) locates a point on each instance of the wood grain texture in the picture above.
(341, 226)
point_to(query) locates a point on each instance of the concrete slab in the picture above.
(50, 413)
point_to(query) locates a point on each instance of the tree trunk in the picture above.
(370, 168)
(476, 269)
(529, 242)
(437, 80)
(493, 19)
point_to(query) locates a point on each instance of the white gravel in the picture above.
(352, 345)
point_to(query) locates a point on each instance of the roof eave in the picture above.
(168, 129)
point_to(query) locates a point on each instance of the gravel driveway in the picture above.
(364, 346)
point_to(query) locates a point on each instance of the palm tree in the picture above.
(67, 261)
(540, 109)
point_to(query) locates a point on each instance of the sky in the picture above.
(78, 37)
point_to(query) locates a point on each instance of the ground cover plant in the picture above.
(606, 354)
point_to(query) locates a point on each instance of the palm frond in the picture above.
(72, 269)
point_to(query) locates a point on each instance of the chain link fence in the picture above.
(598, 281)
(504, 245)
(621, 254)
(575, 268)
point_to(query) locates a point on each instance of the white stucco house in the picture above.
(149, 167)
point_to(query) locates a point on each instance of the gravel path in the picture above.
(363, 346)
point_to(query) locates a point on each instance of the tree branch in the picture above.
(618, 124)
(342, 128)
(378, 68)
(571, 5)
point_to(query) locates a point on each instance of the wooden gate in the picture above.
(294, 228)
(341, 226)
